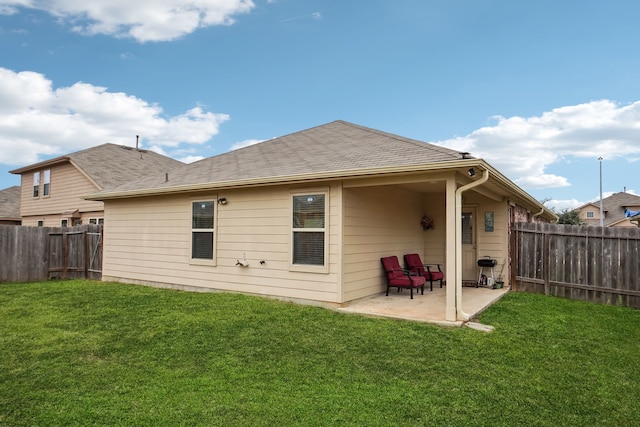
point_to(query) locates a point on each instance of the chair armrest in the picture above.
(429, 266)
(404, 271)
(408, 272)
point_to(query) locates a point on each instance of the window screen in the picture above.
(47, 182)
(202, 230)
(309, 229)
(36, 183)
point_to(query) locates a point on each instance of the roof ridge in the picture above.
(413, 141)
(281, 136)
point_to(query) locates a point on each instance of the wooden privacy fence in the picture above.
(41, 253)
(598, 264)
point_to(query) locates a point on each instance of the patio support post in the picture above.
(451, 244)
(458, 216)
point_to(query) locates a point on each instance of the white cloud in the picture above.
(143, 20)
(8, 8)
(190, 159)
(562, 205)
(245, 143)
(37, 120)
(523, 148)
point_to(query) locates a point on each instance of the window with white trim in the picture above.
(591, 214)
(308, 230)
(36, 184)
(46, 187)
(96, 221)
(64, 223)
(202, 229)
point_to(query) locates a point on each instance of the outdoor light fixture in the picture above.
(471, 172)
(222, 201)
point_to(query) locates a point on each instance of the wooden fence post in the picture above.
(598, 264)
(546, 260)
(85, 241)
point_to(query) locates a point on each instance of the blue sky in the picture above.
(538, 89)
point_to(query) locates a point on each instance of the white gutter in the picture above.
(485, 176)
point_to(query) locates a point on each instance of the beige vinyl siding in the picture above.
(595, 210)
(55, 220)
(47, 220)
(67, 187)
(436, 238)
(494, 244)
(378, 222)
(148, 241)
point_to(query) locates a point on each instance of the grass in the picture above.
(90, 353)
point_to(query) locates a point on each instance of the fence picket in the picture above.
(578, 262)
(39, 253)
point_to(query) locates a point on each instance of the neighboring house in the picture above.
(51, 190)
(615, 209)
(10, 206)
(308, 216)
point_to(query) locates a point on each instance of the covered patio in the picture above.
(429, 307)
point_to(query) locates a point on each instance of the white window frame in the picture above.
(324, 268)
(590, 214)
(214, 231)
(64, 223)
(97, 220)
(46, 183)
(36, 185)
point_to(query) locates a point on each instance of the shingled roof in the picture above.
(614, 207)
(110, 165)
(10, 203)
(327, 149)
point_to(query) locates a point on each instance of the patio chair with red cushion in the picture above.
(431, 272)
(397, 277)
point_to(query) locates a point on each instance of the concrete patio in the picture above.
(429, 307)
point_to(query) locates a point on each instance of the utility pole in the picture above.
(601, 208)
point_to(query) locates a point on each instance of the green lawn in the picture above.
(91, 353)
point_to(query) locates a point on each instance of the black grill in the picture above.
(487, 262)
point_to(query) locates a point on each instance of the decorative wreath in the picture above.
(426, 223)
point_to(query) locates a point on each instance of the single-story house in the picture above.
(307, 216)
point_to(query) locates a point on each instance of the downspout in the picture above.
(485, 176)
(555, 221)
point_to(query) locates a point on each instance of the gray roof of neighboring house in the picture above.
(614, 207)
(10, 203)
(330, 148)
(110, 165)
